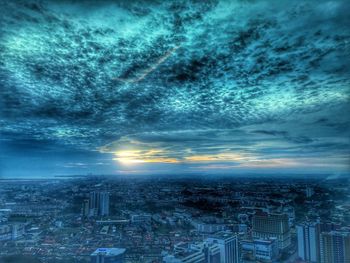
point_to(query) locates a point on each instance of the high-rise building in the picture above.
(212, 253)
(186, 253)
(228, 245)
(104, 204)
(329, 226)
(309, 191)
(308, 235)
(267, 226)
(108, 255)
(99, 203)
(94, 200)
(335, 247)
(86, 208)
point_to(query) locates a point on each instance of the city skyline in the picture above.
(175, 87)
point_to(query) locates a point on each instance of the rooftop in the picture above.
(108, 251)
(223, 235)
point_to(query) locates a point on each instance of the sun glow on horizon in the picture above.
(219, 160)
(142, 156)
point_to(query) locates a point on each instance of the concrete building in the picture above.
(108, 255)
(308, 235)
(104, 204)
(99, 203)
(266, 250)
(86, 208)
(5, 232)
(309, 191)
(200, 252)
(186, 253)
(212, 253)
(267, 226)
(208, 227)
(11, 231)
(141, 218)
(228, 245)
(335, 247)
(186, 257)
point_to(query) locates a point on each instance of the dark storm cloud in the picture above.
(211, 77)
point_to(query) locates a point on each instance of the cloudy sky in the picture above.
(172, 87)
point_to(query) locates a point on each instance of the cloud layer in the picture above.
(240, 82)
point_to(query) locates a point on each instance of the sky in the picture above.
(174, 87)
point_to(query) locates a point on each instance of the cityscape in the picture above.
(174, 131)
(188, 219)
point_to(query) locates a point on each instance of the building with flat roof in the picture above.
(228, 245)
(266, 250)
(186, 253)
(108, 255)
(267, 226)
(199, 252)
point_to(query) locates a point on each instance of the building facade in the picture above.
(266, 250)
(309, 241)
(108, 255)
(228, 245)
(194, 253)
(335, 247)
(267, 226)
(99, 203)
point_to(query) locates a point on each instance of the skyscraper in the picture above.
(228, 245)
(272, 225)
(104, 204)
(308, 235)
(335, 247)
(99, 203)
(212, 253)
(201, 252)
(86, 208)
